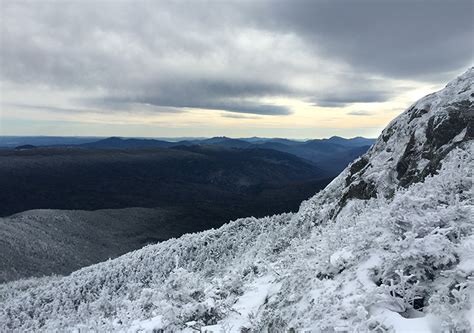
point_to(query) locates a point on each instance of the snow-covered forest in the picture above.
(387, 246)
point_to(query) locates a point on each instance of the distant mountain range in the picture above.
(123, 143)
(14, 141)
(331, 155)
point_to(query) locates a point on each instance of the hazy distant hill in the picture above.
(125, 143)
(14, 141)
(353, 142)
(328, 155)
(224, 142)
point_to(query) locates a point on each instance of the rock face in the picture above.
(433, 127)
(386, 246)
(411, 147)
(442, 133)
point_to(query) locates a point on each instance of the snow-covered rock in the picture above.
(341, 258)
(386, 246)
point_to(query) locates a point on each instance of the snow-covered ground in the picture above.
(387, 246)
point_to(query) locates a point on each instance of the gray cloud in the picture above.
(42, 107)
(144, 54)
(261, 109)
(356, 89)
(360, 113)
(418, 39)
(344, 97)
(117, 106)
(200, 103)
(238, 116)
(237, 96)
(340, 101)
(231, 56)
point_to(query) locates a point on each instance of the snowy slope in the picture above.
(388, 245)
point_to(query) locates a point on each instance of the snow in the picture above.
(364, 272)
(393, 320)
(466, 260)
(247, 306)
(147, 326)
(470, 312)
(214, 329)
(341, 258)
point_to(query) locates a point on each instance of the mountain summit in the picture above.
(388, 245)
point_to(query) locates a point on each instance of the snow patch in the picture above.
(147, 326)
(400, 324)
(341, 258)
(247, 307)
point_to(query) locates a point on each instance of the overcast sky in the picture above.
(301, 69)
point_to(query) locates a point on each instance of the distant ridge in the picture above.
(331, 154)
(125, 143)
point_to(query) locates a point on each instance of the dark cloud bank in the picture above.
(231, 55)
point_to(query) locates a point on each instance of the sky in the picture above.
(296, 69)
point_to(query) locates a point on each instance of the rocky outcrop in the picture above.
(409, 149)
(442, 134)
